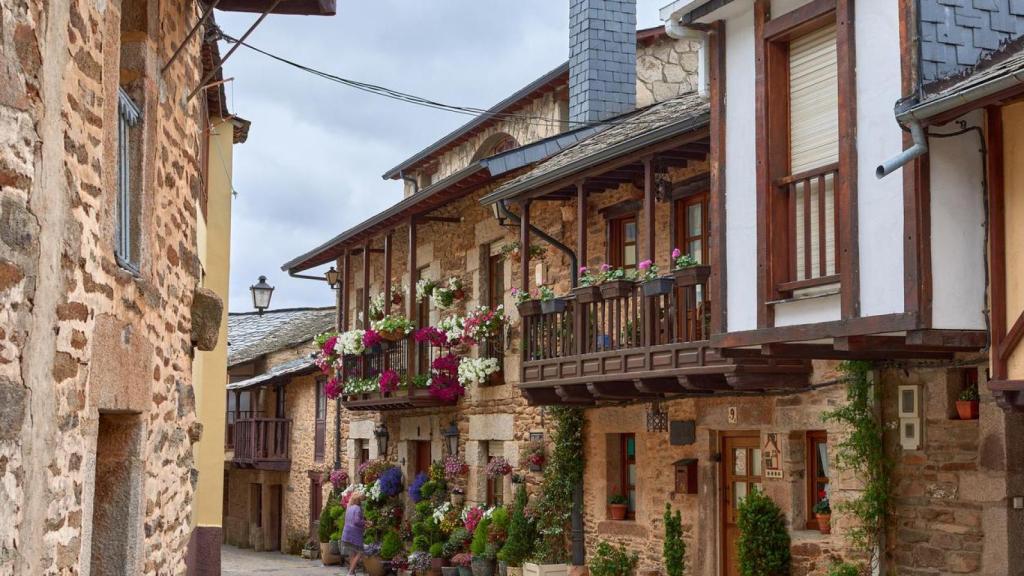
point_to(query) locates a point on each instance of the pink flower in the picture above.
(371, 338)
(332, 389)
(645, 265)
(432, 335)
(388, 381)
(328, 347)
(605, 267)
(583, 269)
(676, 253)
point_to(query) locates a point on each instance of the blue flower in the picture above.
(391, 481)
(417, 483)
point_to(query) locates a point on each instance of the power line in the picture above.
(427, 102)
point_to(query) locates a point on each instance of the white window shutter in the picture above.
(814, 100)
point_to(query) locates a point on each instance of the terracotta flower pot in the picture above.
(375, 565)
(618, 511)
(457, 499)
(587, 294)
(617, 288)
(393, 336)
(967, 409)
(824, 523)
(328, 557)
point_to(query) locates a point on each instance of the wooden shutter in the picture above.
(814, 142)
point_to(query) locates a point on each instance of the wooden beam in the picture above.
(346, 293)
(804, 332)
(524, 245)
(846, 181)
(387, 272)
(717, 284)
(624, 390)
(798, 20)
(959, 340)
(441, 219)
(997, 233)
(365, 304)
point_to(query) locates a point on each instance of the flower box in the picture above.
(392, 336)
(530, 569)
(692, 275)
(659, 286)
(587, 294)
(553, 306)
(529, 308)
(617, 288)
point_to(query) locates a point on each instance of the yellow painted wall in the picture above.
(1013, 154)
(210, 368)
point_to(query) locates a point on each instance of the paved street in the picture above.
(241, 562)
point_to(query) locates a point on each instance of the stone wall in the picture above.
(666, 68)
(81, 337)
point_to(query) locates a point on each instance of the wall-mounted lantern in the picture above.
(332, 278)
(380, 433)
(451, 438)
(261, 294)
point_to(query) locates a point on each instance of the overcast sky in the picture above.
(312, 165)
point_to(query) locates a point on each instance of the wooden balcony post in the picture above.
(346, 291)
(365, 304)
(410, 300)
(387, 272)
(647, 314)
(578, 310)
(524, 245)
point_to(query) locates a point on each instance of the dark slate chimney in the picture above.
(602, 59)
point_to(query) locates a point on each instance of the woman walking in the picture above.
(352, 536)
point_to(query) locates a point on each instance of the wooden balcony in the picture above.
(407, 358)
(262, 443)
(628, 345)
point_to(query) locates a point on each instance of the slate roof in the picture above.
(251, 335)
(288, 369)
(957, 34)
(625, 133)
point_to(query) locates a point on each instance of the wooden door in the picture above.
(741, 463)
(316, 502)
(276, 516)
(422, 456)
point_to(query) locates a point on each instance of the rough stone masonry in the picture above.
(92, 355)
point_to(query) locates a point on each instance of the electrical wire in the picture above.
(427, 102)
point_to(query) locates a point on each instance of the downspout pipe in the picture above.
(415, 183)
(919, 148)
(573, 262)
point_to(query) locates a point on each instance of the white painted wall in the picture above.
(958, 234)
(740, 176)
(809, 311)
(880, 202)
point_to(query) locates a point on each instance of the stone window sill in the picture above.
(798, 536)
(621, 528)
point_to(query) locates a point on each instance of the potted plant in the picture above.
(588, 290)
(611, 561)
(520, 540)
(654, 285)
(525, 303)
(372, 561)
(457, 497)
(823, 513)
(618, 282)
(534, 454)
(463, 562)
(674, 547)
(393, 327)
(482, 549)
(687, 270)
(549, 304)
(498, 468)
(618, 506)
(419, 562)
(437, 560)
(967, 403)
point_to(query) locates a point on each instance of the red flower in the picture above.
(371, 338)
(332, 388)
(388, 381)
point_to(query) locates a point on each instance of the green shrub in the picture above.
(456, 542)
(843, 569)
(327, 516)
(674, 549)
(420, 544)
(609, 561)
(562, 474)
(391, 545)
(428, 489)
(499, 518)
(437, 550)
(520, 533)
(424, 509)
(479, 544)
(763, 544)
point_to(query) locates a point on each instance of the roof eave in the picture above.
(631, 145)
(960, 99)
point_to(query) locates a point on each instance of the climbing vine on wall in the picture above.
(862, 451)
(563, 472)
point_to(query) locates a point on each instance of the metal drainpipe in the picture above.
(574, 266)
(919, 148)
(415, 183)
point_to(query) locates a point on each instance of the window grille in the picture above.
(129, 116)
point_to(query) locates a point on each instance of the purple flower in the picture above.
(391, 481)
(676, 253)
(417, 483)
(645, 265)
(605, 267)
(583, 269)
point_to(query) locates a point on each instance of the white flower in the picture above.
(452, 328)
(350, 342)
(374, 493)
(477, 370)
(424, 289)
(440, 511)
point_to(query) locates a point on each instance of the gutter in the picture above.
(573, 262)
(916, 117)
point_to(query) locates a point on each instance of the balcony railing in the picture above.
(263, 443)
(409, 359)
(814, 221)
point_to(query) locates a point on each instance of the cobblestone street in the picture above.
(242, 562)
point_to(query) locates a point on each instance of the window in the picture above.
(622, 237)
(320, 431)
(316, 501)
(627, 472)
(818, 468)
(805, 129)
(495, 347)
(495, 486)
(256, 504)
(362, 451)
(126, 249)
(692, 226)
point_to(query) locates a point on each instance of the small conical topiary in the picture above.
(763, 543)
(674, 549)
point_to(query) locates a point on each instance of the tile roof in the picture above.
(296, 367)
(625, 133)
(251, 335)
(955, 35)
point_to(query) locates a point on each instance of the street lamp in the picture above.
(451, 438)
(381, 434)
(332, 277)
(261, 293)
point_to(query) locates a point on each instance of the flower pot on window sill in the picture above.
(587, 294)
(617, 289)
(618, 511)
(692, 275)
(967, 409)
(659, 286)
(529, 308)
(824, 523)
(553, 306)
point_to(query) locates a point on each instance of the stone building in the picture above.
(103, 122)
(279, 435)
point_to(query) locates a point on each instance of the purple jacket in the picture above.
(354, 523)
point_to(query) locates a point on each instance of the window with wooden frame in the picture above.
(628, 472)
(622, 242)
(320, 426)
(692, 226)
(801, 139)
(818, 468)
(362, 451)
(495, 486)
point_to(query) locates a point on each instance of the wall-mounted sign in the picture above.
(682, 432)
(772, 456)
(732, 414)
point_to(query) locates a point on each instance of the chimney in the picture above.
(602, 59)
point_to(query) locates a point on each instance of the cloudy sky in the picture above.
(312, 165)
